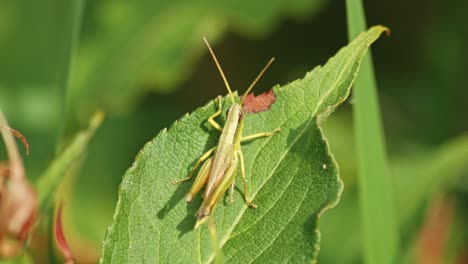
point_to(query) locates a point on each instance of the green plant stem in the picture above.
(51, 178)
(381, 240)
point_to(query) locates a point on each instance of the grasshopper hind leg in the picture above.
(199, 161)
(244, 180)
(200, 180)
(231, 193)
(202, 176)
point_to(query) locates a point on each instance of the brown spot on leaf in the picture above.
(259, 103)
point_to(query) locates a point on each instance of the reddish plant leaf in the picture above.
(18, 200)
(18, 135)
(435, 232)
(60, 237)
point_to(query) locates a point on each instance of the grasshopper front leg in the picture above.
(217, 113)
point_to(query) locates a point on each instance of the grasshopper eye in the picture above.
(228, 111)
(241, 115)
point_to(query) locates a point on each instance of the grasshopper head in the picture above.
(235, 108)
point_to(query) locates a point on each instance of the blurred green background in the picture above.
(144, 63)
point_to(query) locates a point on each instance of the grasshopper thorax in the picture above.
(235, 108)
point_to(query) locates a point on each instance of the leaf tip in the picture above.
(388, 32)
(97, 119)
(383, 29)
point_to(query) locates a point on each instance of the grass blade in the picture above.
(75, 9)
(376, 199)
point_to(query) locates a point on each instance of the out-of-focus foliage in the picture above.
(417, 176)
(421, 75)
(132, 46)
(34, 51)
(50, 180)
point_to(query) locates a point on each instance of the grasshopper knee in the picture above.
(189, 198)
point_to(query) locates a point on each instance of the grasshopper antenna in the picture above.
(220, 70)
(257, 78)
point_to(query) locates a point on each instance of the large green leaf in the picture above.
(292, 176)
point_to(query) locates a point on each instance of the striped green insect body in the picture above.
(218, 171)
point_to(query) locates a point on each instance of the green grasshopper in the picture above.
(218, 172)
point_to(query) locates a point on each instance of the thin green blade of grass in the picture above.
(381, 240)
(75, 9)
(50, 179)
